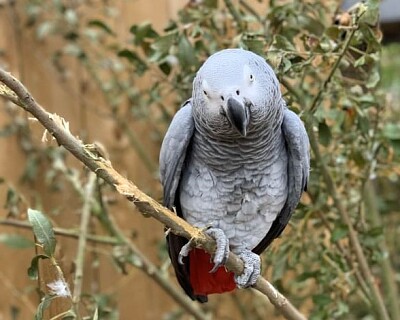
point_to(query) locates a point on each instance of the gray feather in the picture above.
(297, 148)
(173, 152)
(297, 145)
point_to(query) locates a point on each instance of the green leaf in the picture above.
(283, 43)
(312, 24)
(165, 67)
(143, 31)
(375, 232)
(325, 135)
(332, 32)
(43, 231)
(186, 53)
(321, 299)
(42, 306)
(369, 12)
(307, 275)
(279, 269)
(133, 58)
(339, 233)
(358, 157)
(286, 65)
(363, 124)
(392, 131)
(162, 46)
(373, 79)
(33, 270)
(212, 4)
(16, 241)
(360, 61)
(253, 42)
(100, 24)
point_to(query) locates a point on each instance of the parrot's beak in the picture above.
(238, 115)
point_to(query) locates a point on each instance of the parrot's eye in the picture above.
(205, 93)
(251, 78)
(222, 98)
(237, 92)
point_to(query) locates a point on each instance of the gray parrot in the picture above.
(234, 161)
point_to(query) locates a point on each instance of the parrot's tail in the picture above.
(203, 282)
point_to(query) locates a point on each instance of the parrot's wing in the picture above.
(297, 146)
(173, 152)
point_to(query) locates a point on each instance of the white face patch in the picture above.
(206, 88)
(239, 83)
(248, 75)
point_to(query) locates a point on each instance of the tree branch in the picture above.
(63, 232)
(83, 231)
(146, 205)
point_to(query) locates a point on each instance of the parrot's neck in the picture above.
(261, 145)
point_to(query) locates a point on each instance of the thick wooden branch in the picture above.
(87, 154)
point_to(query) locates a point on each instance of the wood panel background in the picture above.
(136, 296)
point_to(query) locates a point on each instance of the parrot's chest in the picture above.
(242, 201)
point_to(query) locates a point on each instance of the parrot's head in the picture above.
(233, 92)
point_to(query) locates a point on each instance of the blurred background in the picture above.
(118, 70)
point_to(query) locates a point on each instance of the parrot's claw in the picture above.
(222, 250)
(184, 251)
(252, 269)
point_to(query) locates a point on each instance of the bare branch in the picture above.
(143, 202)
(83, 230)
(63, 232)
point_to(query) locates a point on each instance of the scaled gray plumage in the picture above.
(234, 158)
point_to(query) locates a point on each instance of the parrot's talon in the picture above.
(185, 251)
(167, 231)
(252, 269)
(207, 227)
(214, 269)
(222, 250)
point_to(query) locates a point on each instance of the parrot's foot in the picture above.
(185, 251)
(222, 250)
(252, 269)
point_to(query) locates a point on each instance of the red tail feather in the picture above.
(203, 282)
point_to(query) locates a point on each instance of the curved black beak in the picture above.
(238, 115)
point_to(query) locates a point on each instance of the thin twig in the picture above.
(314, 103)
(143, 202)
(63, 232)
(83, 231)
